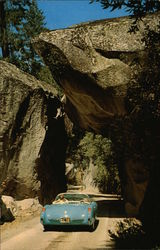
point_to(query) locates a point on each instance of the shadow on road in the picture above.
(111, 208)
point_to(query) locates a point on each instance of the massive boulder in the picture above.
(32, 137)
(95, 63)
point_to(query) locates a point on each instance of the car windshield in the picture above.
(73, 197)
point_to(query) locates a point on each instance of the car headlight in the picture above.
(83, 215)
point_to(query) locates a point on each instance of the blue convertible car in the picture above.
(70, 209)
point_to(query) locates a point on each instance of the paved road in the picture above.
(29, 235)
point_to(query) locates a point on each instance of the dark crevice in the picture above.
(50, 165)
(114, 54)
(17, 130)
(128, 57)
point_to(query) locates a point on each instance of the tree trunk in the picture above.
(3, 31)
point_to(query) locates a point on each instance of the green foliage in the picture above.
(143, 100)
(148, 81)
(20, 21)
(130, 234)
(74, 138)
(44, 74)
(96, 149)
(134, 7)
(23, 54)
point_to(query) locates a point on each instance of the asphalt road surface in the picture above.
(29, 234)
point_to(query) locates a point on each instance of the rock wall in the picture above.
(95, 64)
(12, 209)
(32, 137)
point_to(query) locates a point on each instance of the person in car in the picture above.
(61, 199)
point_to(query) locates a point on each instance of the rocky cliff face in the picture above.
(95, 63)
(32, 137)
(11, 209)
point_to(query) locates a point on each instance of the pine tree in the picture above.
(19, 22)
(134, 7)
(3, 31)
